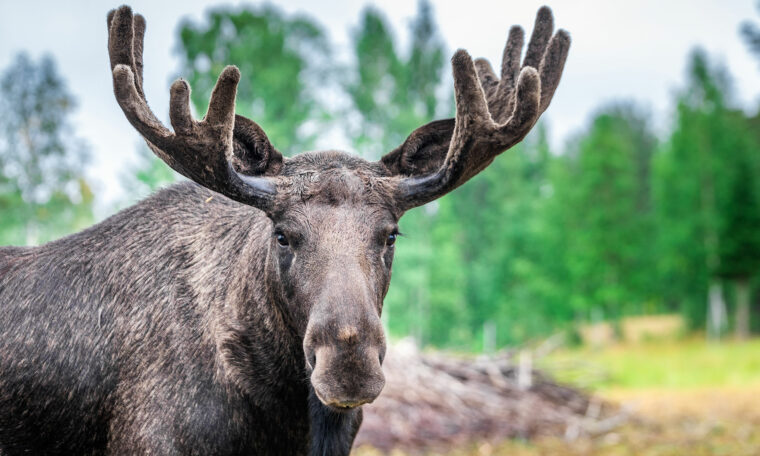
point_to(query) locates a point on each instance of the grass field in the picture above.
(691, 363)
(689, 398)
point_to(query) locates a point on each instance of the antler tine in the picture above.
(552, 65)
(493, 115)
(125, 42)
(221, 107)
(470, 100)
(488, 79)
(137, 50)
(494, 87)
(136, 109)
(179, 107)
(510, 60)
(129, 94)
(542, 32)
(200, 150)
(545, 53)
(527, 105)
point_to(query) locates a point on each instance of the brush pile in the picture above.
(434, 401)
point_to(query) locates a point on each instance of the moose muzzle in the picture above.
(345, 361)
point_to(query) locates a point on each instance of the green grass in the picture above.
(677, 364)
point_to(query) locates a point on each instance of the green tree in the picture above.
(42, 192)
(282, 60)
(751, 35)
(695, 171)
(740, 238)
(497, 223)
(394, 93)
(610, 229)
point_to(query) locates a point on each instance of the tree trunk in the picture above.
(489, 337)
(716, 312)
(742, 309)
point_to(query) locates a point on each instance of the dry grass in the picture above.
(696, 422)
(691, 399)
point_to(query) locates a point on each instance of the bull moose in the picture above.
(238, 313)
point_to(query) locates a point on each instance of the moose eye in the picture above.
(391, 239)
(281, 239)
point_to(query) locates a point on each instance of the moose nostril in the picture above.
(310, 356)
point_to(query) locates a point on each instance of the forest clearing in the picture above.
(682, 396)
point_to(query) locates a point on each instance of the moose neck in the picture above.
(232, 272)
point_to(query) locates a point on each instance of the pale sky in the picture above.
(621, 50)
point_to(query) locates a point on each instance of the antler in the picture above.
(493, 115)
(203, 150)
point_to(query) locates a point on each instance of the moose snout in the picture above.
(346, 369)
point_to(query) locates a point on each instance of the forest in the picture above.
(623, 219)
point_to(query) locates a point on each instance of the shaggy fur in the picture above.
(193, 324)
(158, 330)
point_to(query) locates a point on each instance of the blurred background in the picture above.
(618, 245)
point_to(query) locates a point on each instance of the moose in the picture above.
(238, 313)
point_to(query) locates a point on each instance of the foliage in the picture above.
(42, 192)
(604, 203)
(282, 60)
(693, 180)
(393, 93)
(751, 35)
(740, 231)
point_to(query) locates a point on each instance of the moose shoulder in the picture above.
(238, 313)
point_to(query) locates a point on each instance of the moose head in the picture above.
(334, 215)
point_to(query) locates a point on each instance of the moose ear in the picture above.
(423, 152)
(252, 153)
